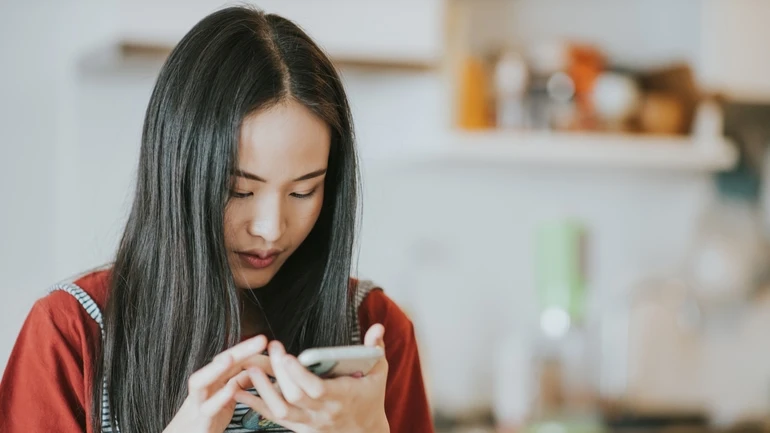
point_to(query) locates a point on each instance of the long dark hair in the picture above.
(173, 303)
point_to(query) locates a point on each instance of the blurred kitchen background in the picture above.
(568, 197)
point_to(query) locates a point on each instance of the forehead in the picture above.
(284, 141)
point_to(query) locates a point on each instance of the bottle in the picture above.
(563, 351)
(474, 110)
(551, 89)
(514, 385)
(510, 88)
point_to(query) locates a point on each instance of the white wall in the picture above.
(734, 48)
(636, 33)
(27, 138)
(632, 33)
(39, 45)
(380, 30)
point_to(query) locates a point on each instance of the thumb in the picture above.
(375, 336)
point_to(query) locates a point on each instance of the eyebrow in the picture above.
(311, 175)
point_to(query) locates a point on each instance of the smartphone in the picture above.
(329, 362)
(326, 362)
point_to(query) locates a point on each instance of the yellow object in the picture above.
(473, 104)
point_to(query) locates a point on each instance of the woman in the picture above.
(241, 231)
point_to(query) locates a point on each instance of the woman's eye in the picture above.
(303, 195)
(236, 194)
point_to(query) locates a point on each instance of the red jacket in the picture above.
(48, 376)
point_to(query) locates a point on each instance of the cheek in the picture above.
(307, 215)
(233, 216)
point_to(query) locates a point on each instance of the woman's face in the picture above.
(278, 190)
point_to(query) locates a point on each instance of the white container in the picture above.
(513, 386)
(510, 86)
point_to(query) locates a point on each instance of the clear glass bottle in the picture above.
(563, 346)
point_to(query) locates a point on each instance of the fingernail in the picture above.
(257, 343)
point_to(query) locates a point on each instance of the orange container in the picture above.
(474, 111)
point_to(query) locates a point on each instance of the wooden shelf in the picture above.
(158, 53)
(591, 150)
(146, 59)
(383, 34)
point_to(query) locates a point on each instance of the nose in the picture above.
(268, 220)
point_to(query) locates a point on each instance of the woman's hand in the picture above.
(210, 402)
(310, 404)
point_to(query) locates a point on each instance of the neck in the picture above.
(252, 318)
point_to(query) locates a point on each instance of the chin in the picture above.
(254, 279)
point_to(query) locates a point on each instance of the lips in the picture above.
(259, 259)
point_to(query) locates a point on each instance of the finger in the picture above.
(255, 403)
(291, 391)
(377, 377)
(380, 369)
(220, 399)
(312, 385)
(275, 402)
(207, 380)
(375, 336)
(243, 379)
(259, 406)
(261, 361)
(214, 375)
(245, 350)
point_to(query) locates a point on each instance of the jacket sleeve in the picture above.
(406, 403)
(44, 387)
